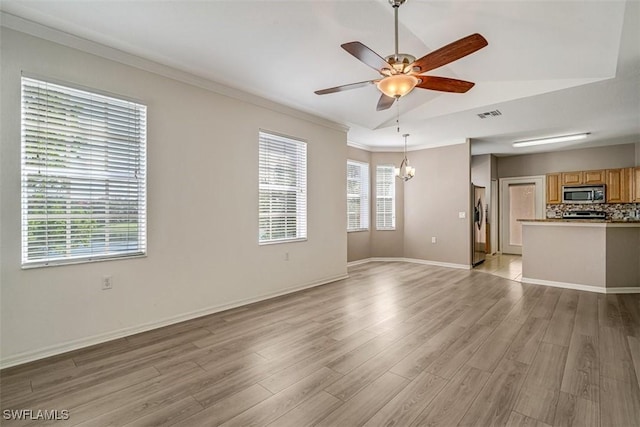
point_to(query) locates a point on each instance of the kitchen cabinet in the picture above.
(554, 188)
(619, 185)
(572, 178)
(584, 177)
(594, 177)
(622, 185)
(636, 184)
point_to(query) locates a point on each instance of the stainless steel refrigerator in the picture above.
(479, 233)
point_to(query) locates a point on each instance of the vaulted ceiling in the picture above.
(550, 68)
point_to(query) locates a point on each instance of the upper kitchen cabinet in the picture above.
(619, 185)
(572, 178)
(554, 188)
(584, 177)
(622, 185)
(636, 184)
(594, 177)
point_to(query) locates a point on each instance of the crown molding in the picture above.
(385, 149)
(35, 29)
(372, 149)
(438, 144)
(358, 146)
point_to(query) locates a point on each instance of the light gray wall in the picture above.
(637, 153)
(494, 167)
(481, 170)
(623, 257)
(359, 242)
(203, 252)
(433, 199)
(388, 243)
(609, 157)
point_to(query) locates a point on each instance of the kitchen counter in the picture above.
(592, 255)
(585, 221)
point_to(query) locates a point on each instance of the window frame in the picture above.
(70, 135)
(392, 186)
(299, 148)
(364, 194)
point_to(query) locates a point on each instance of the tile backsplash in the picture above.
(613, 210)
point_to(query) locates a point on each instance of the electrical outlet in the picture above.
(286, 256)
(462, 215)
(107, 283)
(433, 240)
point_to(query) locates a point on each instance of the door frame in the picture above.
(540, 183)
(494, 221)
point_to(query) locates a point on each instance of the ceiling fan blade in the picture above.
(366, 55)
(450, 53)
(444, 84)
(385, 102)
(343, 87)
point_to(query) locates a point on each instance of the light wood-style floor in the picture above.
(503, 265)
(395, 344)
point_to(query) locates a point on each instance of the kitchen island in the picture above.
(598, 256)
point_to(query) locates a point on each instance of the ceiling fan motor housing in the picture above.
(401, 64)
(396, 3)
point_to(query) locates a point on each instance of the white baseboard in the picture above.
(358, 262)
(580, 287)
(438, 263)
(627, 290)
(65, 347)
(411, 260)
(387, 259)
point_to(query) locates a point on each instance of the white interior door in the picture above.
(522, 198)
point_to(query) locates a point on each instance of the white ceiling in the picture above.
(551, 68)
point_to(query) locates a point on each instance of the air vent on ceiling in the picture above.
(488, 114)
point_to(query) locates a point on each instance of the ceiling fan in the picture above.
(401, 73)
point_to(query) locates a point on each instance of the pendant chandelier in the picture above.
(405, 171)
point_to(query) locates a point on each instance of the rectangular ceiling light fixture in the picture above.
(551, 140)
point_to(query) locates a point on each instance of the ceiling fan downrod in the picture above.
(396, 5)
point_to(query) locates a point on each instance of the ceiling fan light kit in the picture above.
(400, 73)
(551, 140)
(398, 85)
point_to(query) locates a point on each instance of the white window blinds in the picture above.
(83, 175)
(385, 197)
(357, 196)
(282, 189)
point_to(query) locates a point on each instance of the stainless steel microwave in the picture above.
(583, 194)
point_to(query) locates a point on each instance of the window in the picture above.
(385, 197)
(83, 175)
(282, 189)
(357, 196)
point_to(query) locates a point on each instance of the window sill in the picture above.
(59, 263)
(357, 230)
(277, 242)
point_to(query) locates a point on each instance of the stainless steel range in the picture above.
(584, 215)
